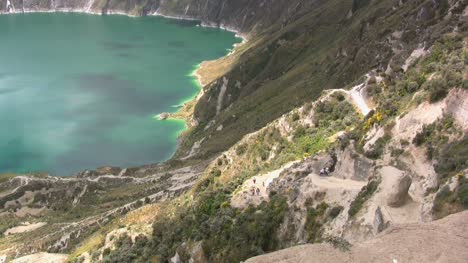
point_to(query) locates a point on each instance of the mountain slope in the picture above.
(373, 90)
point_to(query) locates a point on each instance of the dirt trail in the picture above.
(355, 96)
(439, 241)
(243, 198)
(330, 182)
(358, 98)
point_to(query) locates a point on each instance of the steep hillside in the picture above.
(331, 46)
(375, 91)
(244, 15)
(386, 169)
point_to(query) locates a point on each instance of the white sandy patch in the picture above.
(358, 98)
(456, 103)
(417, 53)
(42, 257)
(330, 182)
(25, 211)
(221, 95)
(355, 96)
(26, 227)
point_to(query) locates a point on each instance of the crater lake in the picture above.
(81, 91)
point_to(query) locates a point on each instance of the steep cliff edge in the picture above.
(243, 15)
(439, 241)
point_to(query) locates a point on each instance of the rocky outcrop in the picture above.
(455, 104)
(379, 223)
(439, 241)
(398, 184)
(164, 116)
(353, 165)
(242, 15)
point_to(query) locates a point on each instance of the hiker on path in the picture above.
(322, 171)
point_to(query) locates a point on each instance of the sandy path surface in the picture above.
(358, 99)
(331, 182)
(355, 97)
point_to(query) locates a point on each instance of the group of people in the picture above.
(255, 191)
(325, 171)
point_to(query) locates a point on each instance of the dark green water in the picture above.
(81, 91)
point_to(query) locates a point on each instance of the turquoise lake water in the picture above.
(80, 91)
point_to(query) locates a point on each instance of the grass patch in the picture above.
(314, 222)
(6, 177)
(364, 195)
(449, 202)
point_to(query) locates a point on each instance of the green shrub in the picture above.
(127, 250)
(452, 158)
(462, 193)
(412, 87)
(378, 148)
(216, 172)
(365, 193)
(228, 234)
(446, 203)
(422, 137)
(339, 243)
(300, 132)
(314, 222)
(241, 149)
(435, 56)
(357, 4)
(335, 211)
(437, 89)
(295, 117)
(5, 177)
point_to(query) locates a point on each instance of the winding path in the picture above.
(356, 97)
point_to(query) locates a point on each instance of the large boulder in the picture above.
(353, 165)
(396, 185)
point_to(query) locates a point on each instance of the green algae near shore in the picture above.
(80, 91)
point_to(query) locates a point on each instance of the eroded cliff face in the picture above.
(242, 15)
(292, 62)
